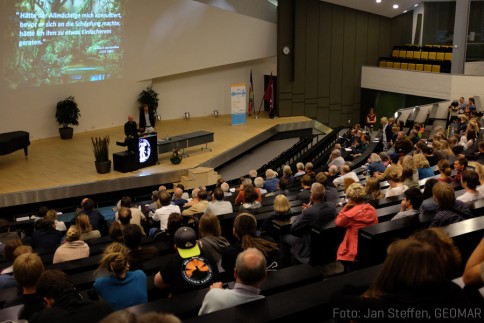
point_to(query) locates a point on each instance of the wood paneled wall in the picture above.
(321, 76)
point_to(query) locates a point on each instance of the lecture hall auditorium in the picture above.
(343, 58)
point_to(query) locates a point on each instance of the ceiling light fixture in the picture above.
(405, 11)
(415, 5)
(378, 1)
(395, 6)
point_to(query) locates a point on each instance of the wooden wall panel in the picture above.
(312, 50)
(337, 47)
(349, 47)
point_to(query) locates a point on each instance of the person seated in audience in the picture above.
(155, 203)
(87, 233)
(429, 154)
(72, 248)
(474, 269)
(240, 196)
(165, 210)
(299, 171)
(393, 168)
(137, 217)
(122, 288)
(460, 164)
(480, 171)
(64, 303)
(403, 145)
(259, 184)
(287, 174)
(336, 159)
(282, 211)
(249, 273)
(309, 169)
(210, 239)
(407, 178)
(190, 268)
(374, 165)
(226, 189)
(296, 244)
(412, 276)
(281, 188)
(395, 186)
(332, 174)
(429, 206)
(41, 213)
(414, 138)
(345, 173)
(116, 232)
(178, 199)
(445, 171)
(355, 214)
(124, 216)
(175, 221)
(346, 184)
(470, 181)
(385, 159)
(253, 174)
(468, 140)
(194, 199)
(218, 206)
(185, 195)
(245, 233)
(27, 269)
(445, 248)
(197, 208)
(13, 248)
(270, 184)
(423, 167)
(96, 218)
(408, 162)
(250, 200)
(373, 191)
(331, 194)
(59, 225)
(305, 192)
(410, 205)
(137, 254)
(360, 147)
(5, 234)
(450, 210)
(125, 316)
(45, 236)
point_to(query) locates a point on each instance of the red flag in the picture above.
(251, 95)
(269, 95)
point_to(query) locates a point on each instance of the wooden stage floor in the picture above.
(67, 164)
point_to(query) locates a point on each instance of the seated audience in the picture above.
(445, 171)
(396, 187)
(249, 273)
(96, 218)
(393, 168)
(137, 217)
(218, 206)
(410, 205)
(270, 183)
(137, 254)
(72, 248)
(210, 239)
(13, 248)
(355, 214)
(116, 232)
(190, 268)
(429, 207)
(309, 169)
(175, 221)
(282, 211)
(250, 200)
(87, 233)
(407, 178)
(122, 288)
(423, 167)
(281, 188)
(5, 234)
(385, 159)
(470, 181)
(460, 164)
(336, 159)
(287, 174)
(296, 243)
(125, 316)
(259, 184)
(373, 192)
(450, 210)
(331, 192)
(240, 196)
(64, 303)
(299, 171)
(375, 165)
(305, 191)
(245, 233)
(226, 188)
(345, 173)
(45, 236)
(59, 225)
(165, 210)
(27, 269)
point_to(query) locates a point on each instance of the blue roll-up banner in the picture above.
(238, 103)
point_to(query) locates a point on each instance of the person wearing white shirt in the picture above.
(469, 181)
(219, 206)
(345, 173)
(396, 187)
(165, 210)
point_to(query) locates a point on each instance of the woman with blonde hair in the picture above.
(409, 162)
(59, 225)
(72, 248)
(210, 239)
(372, 190)
(82, 221)
(423, 167)
(282, 211)
(122, 288)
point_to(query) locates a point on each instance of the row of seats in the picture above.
(424, 66)
(422, 55)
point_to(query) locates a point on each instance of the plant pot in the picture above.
(103, 167)
(66, 133)
(175, 159)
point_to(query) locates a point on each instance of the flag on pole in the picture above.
(251, 95)
(269, 95)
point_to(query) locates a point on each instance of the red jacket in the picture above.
(352, 219)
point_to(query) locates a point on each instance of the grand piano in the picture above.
(13, 141)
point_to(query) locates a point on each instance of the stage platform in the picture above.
(57, 169)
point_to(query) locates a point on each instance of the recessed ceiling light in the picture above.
(405, 11)
(395, 6)
(415, 5)
(378, 1)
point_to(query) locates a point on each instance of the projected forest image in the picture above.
(63, 41)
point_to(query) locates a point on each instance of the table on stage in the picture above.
(184, 141)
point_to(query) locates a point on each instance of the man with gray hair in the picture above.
(336, 159)
(250, 272)
(345, 173)
(300, 170)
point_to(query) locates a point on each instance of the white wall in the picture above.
(186, 42)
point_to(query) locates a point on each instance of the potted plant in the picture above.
(150, 97)
(67, 113)
(176, 158)
(100, 147)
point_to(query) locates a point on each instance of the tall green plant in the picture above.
(67, 112)
(149, 97)
(100, 147)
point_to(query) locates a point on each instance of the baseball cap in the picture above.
(186, 242)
